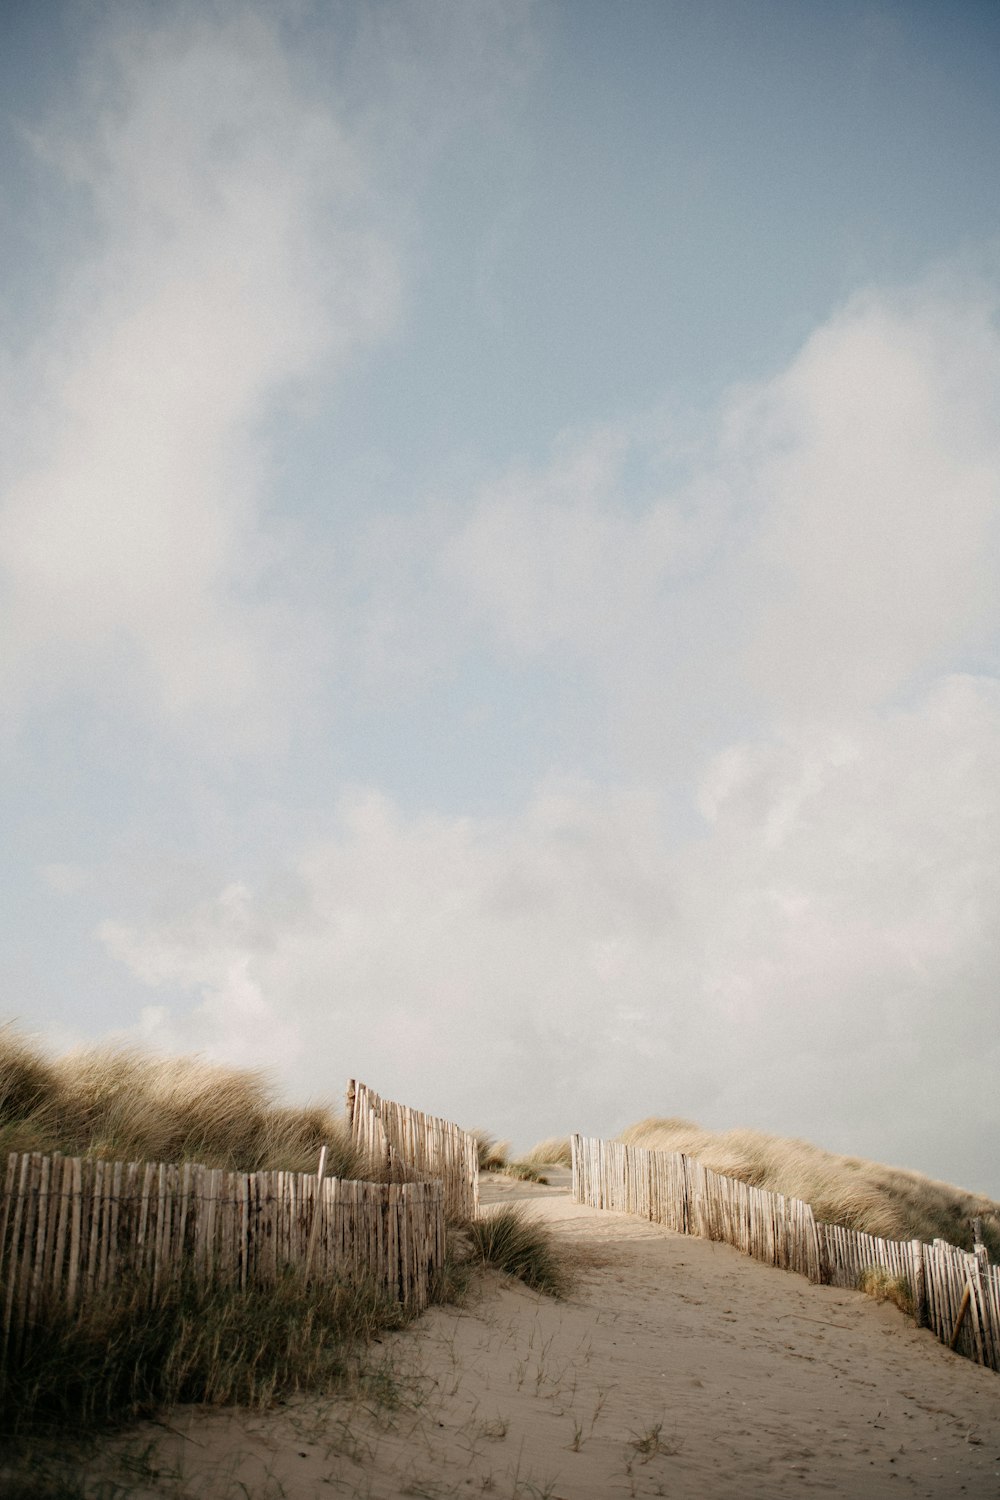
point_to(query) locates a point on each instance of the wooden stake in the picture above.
(317, 1213)
(962, 1310)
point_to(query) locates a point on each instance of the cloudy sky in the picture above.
(499, 555)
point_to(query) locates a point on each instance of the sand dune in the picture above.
(676, 1368)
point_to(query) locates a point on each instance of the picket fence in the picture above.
(70, 1226)
(955, 1293)
(403, 1142)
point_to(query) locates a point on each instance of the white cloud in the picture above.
(821, 957)
(237, 254)
(835, 544)
(819, 962)
(880, 541)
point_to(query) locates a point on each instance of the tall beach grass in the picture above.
(891, 1202)
(122, 1354)
(129, 1105)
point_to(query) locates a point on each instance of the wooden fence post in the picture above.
(918, 1283)
(317, 1217)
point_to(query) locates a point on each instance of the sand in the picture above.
(676, 1367)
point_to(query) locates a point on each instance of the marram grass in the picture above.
(127, 1105)
(555, 1151)
(510, 1240)
(889, 1202)
(879, 1283)
(121, 1354)
(492, 1154)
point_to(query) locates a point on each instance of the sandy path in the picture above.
(677, 1368)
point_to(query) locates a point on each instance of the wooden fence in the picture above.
(955, 1293)
(69, 1227)
(403, 1141)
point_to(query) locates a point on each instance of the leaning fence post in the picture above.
(962, 1310)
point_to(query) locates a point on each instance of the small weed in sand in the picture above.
(341, 1441)
(602, 1397)
(878, 1283)
(509, 1240)
(384, 1387)
(650, 1443)
(526, 1489)
(422, 1488)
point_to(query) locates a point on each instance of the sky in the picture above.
(499, 556)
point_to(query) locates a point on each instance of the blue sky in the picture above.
(498, 556)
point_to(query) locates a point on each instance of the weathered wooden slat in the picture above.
(71, 1226)
(405, 1143)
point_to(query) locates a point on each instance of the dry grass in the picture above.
(127, 1105)
(555, 1151)
(887, 1201)
(524, 1171)
(493, 1154)
(877, 1283)
(122, 1353)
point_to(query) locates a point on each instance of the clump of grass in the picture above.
(887, 1201)
(878, 1283)
(123, 1354)
(493, 1154)
(510, 1240)
(555, 1151)
(524, 1171)
(125, 1104)
(651, 1443)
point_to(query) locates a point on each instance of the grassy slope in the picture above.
(123, 1353)
(887, 1201)
(126, 1105)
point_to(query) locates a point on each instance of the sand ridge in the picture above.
(676, 1367)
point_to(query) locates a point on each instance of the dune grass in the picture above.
(123, 1354)
(887, 1201)
(510, 1240)
(554, 1151)
(127, 1105)
(876, 1282)
(494, 1156)
(524, 1171)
